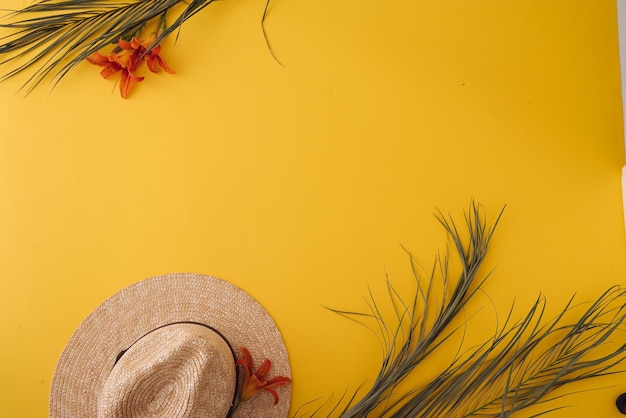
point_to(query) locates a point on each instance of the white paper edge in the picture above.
(621, 27)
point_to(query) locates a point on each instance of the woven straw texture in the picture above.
(180, 370)
(139, 309)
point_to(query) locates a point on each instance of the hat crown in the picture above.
(179, 370)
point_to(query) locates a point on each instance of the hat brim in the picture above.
(153, 303)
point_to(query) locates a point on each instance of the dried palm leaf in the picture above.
(51, 37)
(522, 364)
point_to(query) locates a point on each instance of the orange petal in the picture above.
(245, 360)
(110, 70)
(155, 62)
(274, 394)
(136, 44)
(278, 381)
(264, 369)
(251, 386)
(166, 67)
(127, 81)
(124, 44)
(97, 59)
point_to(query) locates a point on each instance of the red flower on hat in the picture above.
(254, 383)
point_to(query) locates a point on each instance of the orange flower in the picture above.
(126, 58)
(254, 383)
(121, 60)
(154, 59)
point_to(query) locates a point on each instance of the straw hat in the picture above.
(166, 347)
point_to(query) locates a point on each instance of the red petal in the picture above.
(246, 360)
(155, 62)
(135, 60)
(165, 66)
(274, 394)
(278, 381)
(127, 81)
(135, 78)
(121, 58)
(125, 84)
(98, 59)
(135, 44)
(264, 369)
(109, 70)
(124, 44)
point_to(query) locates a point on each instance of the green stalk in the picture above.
(522, 364)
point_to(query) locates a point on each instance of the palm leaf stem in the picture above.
(402, 359)
(526, 381)
(57, 35)
(522, 364)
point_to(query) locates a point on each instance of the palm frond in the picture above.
(525, 362)
(51, 37)
(520, 365)
(408, 346)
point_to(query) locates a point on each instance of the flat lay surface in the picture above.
(303, 179)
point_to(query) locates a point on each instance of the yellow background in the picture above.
(299, 183)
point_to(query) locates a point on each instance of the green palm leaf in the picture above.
(53, 36)
(522, 364)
